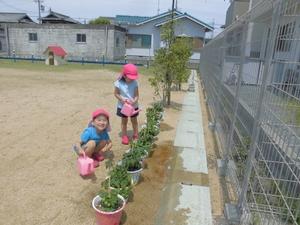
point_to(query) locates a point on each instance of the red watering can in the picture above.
(85, 165)
(128, 110)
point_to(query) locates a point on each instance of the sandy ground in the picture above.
(41, 115)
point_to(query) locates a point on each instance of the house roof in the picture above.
(176, 12)
(177, 15)
(57, 17)
(6, 17)
(57, 50)
(124, 19)
(185, 15)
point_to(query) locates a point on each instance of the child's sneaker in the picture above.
(135, 137)
(98, 157)
(125, 140)
(95, 163)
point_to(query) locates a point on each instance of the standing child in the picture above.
(126, 90)
(95, 139)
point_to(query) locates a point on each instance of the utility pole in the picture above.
(158, 7)
(171, 41)
(172, 19)
(173, 5)
(39, 6)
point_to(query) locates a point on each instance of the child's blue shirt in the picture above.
(127, 90)
(90, 133)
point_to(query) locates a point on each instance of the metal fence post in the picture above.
(219, 90)
(258, 114)
(14, 56)
(237, 93)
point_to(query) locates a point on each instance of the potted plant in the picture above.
(153, 128)
(147, 134)
(158, 107)
(108, 204)
(141, 148)
(132, 162)
(119, 180)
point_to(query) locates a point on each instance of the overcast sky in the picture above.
(208, 11)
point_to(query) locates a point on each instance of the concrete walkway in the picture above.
(186, 198)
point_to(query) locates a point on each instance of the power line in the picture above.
(15, 8)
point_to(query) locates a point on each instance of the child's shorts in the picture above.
(124, 116)
(83, 145)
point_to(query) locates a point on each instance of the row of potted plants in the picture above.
(116, 189)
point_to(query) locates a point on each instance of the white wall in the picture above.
(182, 27)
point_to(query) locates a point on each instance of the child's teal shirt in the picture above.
(90, 133)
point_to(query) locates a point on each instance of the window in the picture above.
(0, 46)
(285, 37)
(195, 43)
(81, 38)
(290, 7)
(33, 37)
(117, 42)
(138, 41)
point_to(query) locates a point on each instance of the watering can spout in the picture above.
(136, 111)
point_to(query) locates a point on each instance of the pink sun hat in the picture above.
(130, 71)
(103, 112)
(99, 112)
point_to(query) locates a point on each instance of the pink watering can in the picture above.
(85, 165)
(128, 110)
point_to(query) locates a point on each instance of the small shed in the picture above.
(55, 55)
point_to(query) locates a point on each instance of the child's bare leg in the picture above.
(100, 147)
(90, 148)
(124, 126)
(134, 125)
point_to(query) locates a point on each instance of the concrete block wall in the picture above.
(99, 40)
(3, 40)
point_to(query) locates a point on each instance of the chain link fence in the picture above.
(251, 76)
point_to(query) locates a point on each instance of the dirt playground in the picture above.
(41, 115)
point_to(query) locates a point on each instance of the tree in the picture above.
(100, 21)
(181, 50)
(170, 63)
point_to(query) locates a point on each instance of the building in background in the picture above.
(21, 37)
(54, 18)
(132, 37)
(144, 33)
(235, 10)
(6, 17)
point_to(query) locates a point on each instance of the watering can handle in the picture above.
(76, 150)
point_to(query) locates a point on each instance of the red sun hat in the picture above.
(99, 112)
(130, 71)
